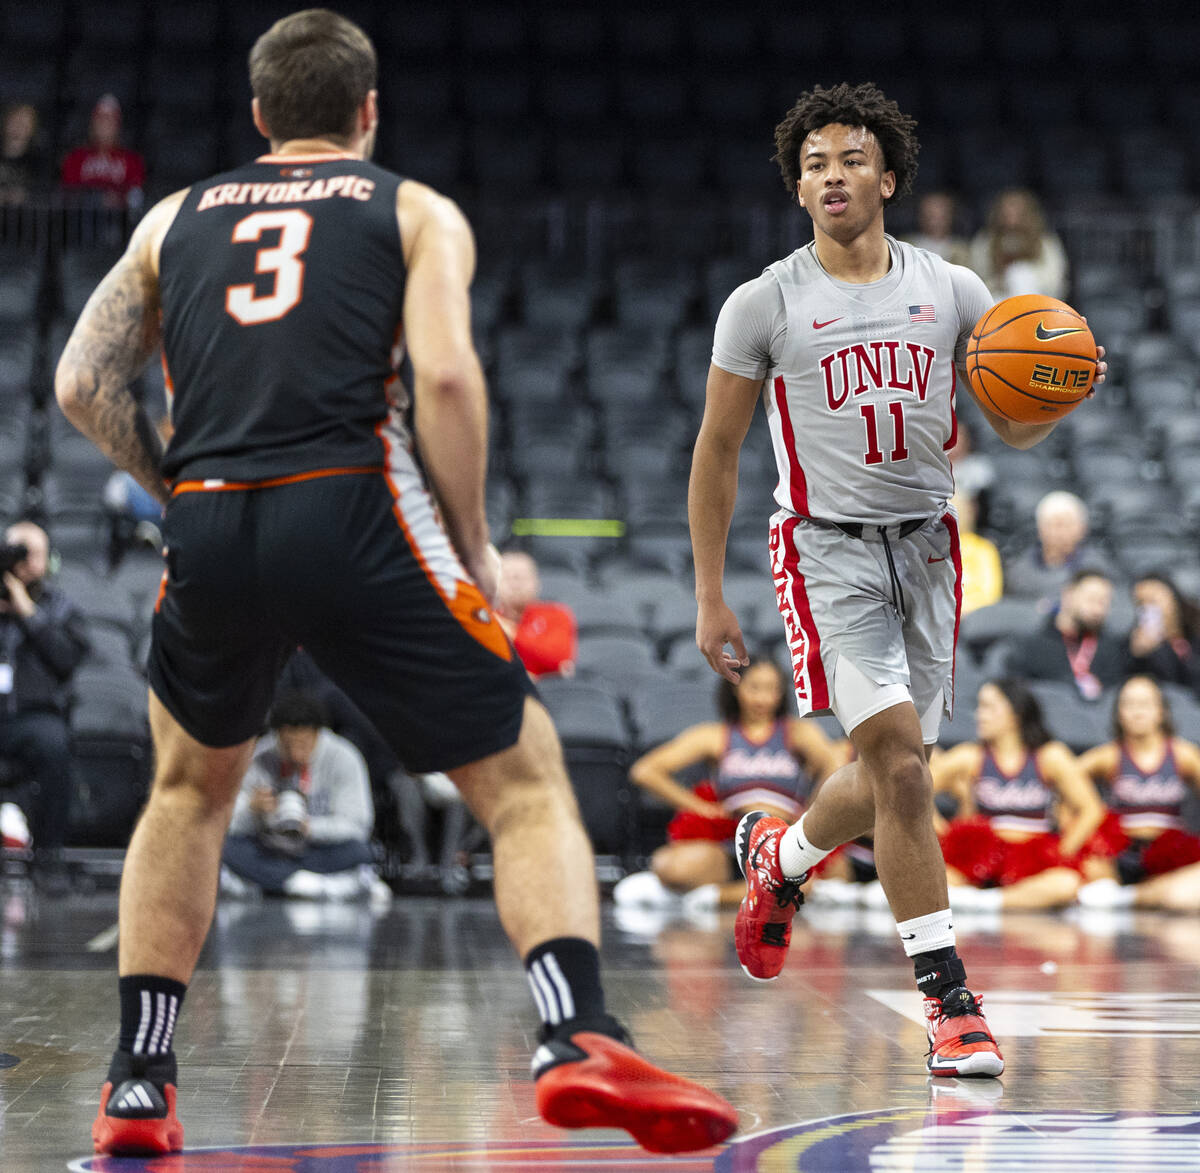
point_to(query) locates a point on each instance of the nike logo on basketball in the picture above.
(821, 325)
(1044, 335)
(931, 561)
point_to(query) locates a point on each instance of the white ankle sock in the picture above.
(796, 854)
(923, 934)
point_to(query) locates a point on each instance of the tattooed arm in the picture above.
(114, 338)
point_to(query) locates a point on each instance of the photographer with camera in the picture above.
(43, 639)
(302, 822)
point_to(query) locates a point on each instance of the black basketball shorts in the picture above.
(354, 567)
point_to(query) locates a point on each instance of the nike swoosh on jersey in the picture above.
(821, 325)
(931, 561)
(1044, 335)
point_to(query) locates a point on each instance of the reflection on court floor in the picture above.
(337, 1039)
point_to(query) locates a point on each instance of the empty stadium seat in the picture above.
(618, 659)
(18, 353)
(25, 78)
(595, 738)
(1006, 619)
(560, 299)
(571, 34)
(1069, 718)
(664, 707)
(32, 32)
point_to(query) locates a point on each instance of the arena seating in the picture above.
(616, 165)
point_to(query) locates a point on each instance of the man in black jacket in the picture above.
(1073, 646)
(42, 641)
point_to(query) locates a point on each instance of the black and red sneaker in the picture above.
(137, 1107)
(763, 929)
(589, 1077)
(960, 1042)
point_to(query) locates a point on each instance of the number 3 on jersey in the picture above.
(283, 260)
(870, 414)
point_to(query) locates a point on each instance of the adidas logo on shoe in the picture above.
(137, 1107)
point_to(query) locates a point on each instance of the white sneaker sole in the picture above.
(986, 1063)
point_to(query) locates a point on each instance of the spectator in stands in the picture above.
(982, 575)
(1025, 808)
(544, 634)
(43, 639)
(22, 166)
(1143, 854)
(116, 173)
(302, 822)
(935, 228)
(758, 759)
(1041, 570)
(1015, 252)
(1073, 646)
(1165, 641)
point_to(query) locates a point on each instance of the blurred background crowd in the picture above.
(615, 162)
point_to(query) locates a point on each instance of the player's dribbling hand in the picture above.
(1101, 369)
(716, 626)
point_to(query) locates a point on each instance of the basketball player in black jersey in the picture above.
(283, 294)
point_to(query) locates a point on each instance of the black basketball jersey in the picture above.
(282, 286)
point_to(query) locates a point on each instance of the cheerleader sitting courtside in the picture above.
(1025, 808)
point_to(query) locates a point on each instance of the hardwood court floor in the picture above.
(383, 1042)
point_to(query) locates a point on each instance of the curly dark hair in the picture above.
(861, 105)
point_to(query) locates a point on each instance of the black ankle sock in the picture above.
(149, 1009)
(939, 971)
(564, 975)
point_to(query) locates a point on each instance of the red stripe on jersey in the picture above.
(798, 598)
(953, 414)
(951, 524)
(799, 486)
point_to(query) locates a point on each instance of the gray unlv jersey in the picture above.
(860, 379)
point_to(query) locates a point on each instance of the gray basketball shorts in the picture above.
(840, 597)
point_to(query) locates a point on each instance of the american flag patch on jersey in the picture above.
(921, 313)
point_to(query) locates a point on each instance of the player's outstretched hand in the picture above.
(716, 626)
(1101, 370)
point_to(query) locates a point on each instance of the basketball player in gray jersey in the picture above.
(855, 344)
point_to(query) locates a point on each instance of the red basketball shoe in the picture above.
(137, 1107)
(763, 929)
(959, 1040)
(589, 1079)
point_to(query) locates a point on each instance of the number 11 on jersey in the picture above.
(870, 414)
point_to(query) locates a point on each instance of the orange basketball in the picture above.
(1031, 358)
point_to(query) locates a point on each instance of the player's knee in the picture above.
(903, 787)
